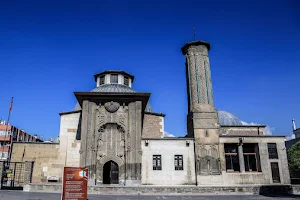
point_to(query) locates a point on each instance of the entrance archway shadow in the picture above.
(110, 173)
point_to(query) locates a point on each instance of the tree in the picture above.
(294, 160)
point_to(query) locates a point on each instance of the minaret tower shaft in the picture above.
(202, 118)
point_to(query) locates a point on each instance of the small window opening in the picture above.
(156, 162)
(126, 81)
(102, 80)
(272, 149)
(178, 162)
(114, 78)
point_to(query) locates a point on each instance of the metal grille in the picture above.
(272, 149)
(16, 175)
(178, 162)
(157, 162)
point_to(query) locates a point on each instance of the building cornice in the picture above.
(70, 112)
(102, 97)
(249, 136)
(156, 114)
(243, 126)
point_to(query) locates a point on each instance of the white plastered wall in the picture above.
(168, 175)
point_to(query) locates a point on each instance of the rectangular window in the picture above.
(114, 78)
(126, 81)
(275, 172)
(231, 157)
(251, 157)
(102, 80)
(178, 162)
(272, 149)
(156, 162)
(4, 154)
(250, 162)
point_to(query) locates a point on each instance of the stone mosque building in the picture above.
(114, 132)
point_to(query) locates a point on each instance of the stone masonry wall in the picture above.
(45, 157)
(263, 177)
(153, 126)
(242, 130)
(69, 146)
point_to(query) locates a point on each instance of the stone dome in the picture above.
(115, 88)
(228, 119)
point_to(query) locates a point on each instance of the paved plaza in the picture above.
(19, 195)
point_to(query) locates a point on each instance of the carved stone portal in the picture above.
(208, 161)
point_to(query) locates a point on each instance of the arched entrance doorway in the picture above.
(111, 173)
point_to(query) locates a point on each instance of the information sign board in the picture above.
(75, 183)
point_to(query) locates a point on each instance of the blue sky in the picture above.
(49, 49)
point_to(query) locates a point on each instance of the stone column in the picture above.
(241, 158)
(84, 133)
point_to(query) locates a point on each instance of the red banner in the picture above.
(75, 183)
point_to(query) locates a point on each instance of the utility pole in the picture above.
(6, 129)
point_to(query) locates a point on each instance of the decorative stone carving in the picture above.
(101, 119)
(100, 155)
(122, 136)
(122, 119)
(120, 155)
(100, 143)
(203, 152)
(102, 129)
(215, 161)
(128, 148)
(121, 129)
(93, 147)
(111, 106)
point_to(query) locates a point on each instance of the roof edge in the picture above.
(156, 114)
(252, 136)
(169, 138)
(243, 125)
(194, 43)
(70, 112)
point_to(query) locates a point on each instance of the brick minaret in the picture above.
(202, 119)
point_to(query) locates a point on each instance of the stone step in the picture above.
(171, 190)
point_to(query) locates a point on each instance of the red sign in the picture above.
(75, 183)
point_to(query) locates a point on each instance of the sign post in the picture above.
(75, 183)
